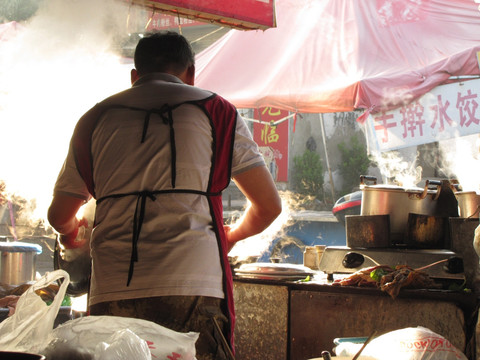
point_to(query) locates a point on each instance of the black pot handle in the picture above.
(369, 178)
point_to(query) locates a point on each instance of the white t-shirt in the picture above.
(178, 252)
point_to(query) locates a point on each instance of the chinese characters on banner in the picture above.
(241, 14)
(445, 112)
(273, 140)
(161, 21)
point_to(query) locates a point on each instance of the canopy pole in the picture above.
(332, 187)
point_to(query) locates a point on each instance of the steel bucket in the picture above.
(18, 262)
(468, 204)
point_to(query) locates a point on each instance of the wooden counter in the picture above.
(292, 320)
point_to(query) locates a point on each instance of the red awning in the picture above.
(238, 14)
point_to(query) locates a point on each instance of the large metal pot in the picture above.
(398, 203)
(18, 262)
(468, 203)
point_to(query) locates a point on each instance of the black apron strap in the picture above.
(137, 228)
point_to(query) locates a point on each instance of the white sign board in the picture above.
(445, 112)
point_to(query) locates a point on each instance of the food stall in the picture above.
(292, 320)
(287, 311)
(285, 317)
(370, 64)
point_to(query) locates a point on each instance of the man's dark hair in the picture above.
(163, 52)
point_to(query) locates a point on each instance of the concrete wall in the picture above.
(338, 127)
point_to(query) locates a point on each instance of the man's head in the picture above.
(166, 52)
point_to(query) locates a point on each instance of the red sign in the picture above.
(240, 14)
(271, 135)
(161, 21)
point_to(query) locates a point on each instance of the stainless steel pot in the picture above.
(468, 203)
(397, 202)
(18, 262)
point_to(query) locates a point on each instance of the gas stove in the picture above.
(347, 260)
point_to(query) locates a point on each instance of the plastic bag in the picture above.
(412, 344)
(59, 349)
(476, 240)
(164, 344)
(123, 344)
(28, 328)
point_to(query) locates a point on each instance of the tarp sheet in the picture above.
(9, 30)
(340, 55)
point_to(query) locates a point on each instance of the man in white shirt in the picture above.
(156, 157)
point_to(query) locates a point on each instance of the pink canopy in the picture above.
(9, 30)
(340, 55)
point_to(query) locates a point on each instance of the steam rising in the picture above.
(398, 171)
(456, 159)
(462, 157)
(56, 67)
(259, 244)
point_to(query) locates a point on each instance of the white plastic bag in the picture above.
(412, 344)
(89, 331)
(123, 344)
(476, 240)
(28, 328)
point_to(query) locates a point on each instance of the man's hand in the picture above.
(73, 240)
(230, 243)
(265, 204)
(62, 216)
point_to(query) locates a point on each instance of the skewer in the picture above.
(364, 345)
(430, 265)
(224, 341)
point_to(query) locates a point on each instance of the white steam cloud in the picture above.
(56, 66)
(462, 158)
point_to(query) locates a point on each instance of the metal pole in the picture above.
(332, 187)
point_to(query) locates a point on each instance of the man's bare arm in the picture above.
(62, 216)
(265, 204)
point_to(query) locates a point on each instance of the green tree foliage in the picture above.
(307, 176)
(355, 162)
(18, 10)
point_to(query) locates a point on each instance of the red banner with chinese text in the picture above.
(161, 21)
(240, 14)
(273, 140)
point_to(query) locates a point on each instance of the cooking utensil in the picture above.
(77, 262)
(468, 203)
(18, 262)
(398, 202)
(274, 271)
(364, 345)
(326, 355)
(426, 231)
(224, 341)
(367, 231)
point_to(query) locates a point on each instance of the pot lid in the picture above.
(274, 269)
(459, 193)
(387, 187)
(18, 246)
